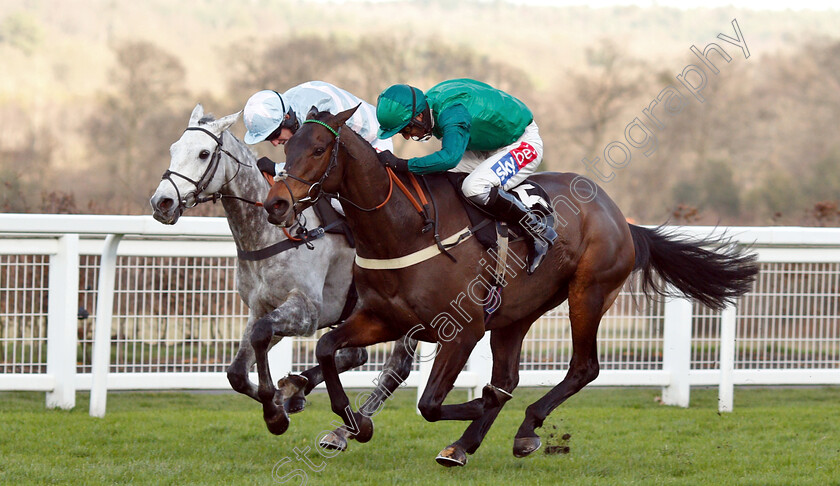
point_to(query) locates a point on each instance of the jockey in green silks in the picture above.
(484, 132)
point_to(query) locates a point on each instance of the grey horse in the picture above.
(291, 293)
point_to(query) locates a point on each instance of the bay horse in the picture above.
(288, 293)
(595, 253)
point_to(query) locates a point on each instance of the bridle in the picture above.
(392, 178)
(305, 236)
(311, 195)
(204, 181)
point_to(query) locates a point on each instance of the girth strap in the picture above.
(281, 246)
(416, 257)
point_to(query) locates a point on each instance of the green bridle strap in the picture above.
(324, 124)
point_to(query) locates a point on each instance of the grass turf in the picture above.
(618, 436)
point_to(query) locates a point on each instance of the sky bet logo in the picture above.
(513, 161)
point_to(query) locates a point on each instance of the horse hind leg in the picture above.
(587, 304)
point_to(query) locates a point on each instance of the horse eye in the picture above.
(204, 154)
(319, 151)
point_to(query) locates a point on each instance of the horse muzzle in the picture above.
(279, 212)
(166, 210)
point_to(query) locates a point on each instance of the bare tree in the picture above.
(27, 150)
(600, 94)
(136, 122)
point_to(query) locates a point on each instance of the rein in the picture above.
(440, 246)
(292, 242)
(421, 207)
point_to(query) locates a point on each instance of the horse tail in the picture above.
(713, 276)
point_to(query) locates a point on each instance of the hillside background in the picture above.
(93, 92)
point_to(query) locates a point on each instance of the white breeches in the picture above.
(506, 167)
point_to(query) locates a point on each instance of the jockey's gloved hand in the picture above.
(388, 159)
(266, 165)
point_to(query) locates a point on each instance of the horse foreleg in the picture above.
(345, 359)
(506, 344)
(395, 371)
(449, 362)
(361, 329)
(297, 316)
(237, 372)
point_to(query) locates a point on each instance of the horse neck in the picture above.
(365, 182)
(248, 224)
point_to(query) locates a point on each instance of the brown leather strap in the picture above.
(405, 191)
(418, 189)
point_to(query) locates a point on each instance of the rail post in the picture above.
(62, 310)
(676, 352)
(101, 360)
(726, 391)
(480, 363)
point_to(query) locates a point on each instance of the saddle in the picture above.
(530, 193)
(496, 237)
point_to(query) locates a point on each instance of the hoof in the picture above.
(275, 416)
(292, 384)
(334, 441)
(365, 425)
(276, 420)
(452, 456)
(522, 446)
(295, 404)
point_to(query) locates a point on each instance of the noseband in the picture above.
(204, 181)
(312, 196)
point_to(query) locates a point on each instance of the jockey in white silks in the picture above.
(274, 117)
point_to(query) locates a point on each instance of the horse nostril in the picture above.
(166, 204)
(277, 206)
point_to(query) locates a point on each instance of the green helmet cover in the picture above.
(395, 108)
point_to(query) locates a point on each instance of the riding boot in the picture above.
(506, 207)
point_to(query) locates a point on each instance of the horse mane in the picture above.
(362, 144)
(208, 118)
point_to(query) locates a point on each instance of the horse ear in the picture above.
(312, 112)
(345, 115)
(224, 123)
(197, 113)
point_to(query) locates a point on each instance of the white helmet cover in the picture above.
(263, 113)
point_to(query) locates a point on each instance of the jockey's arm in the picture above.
(454, 123)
